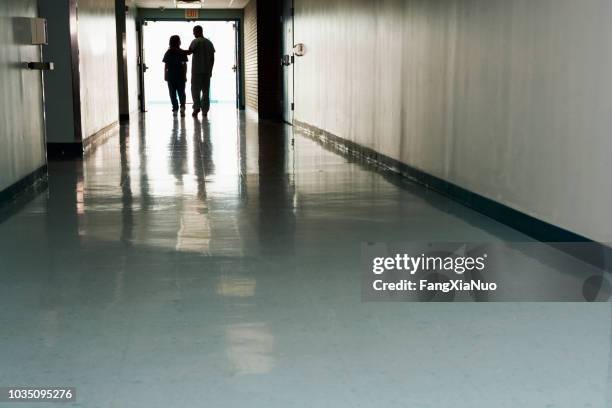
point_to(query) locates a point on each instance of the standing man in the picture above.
(202, 64)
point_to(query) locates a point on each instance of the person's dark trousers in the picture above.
(200, 92)
(177, 88)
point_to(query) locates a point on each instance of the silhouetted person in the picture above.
(176, 73)
(201, 70)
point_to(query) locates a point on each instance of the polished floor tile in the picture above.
(215, 263)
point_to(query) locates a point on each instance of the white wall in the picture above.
(97, 65)
(249, 32)
(511, 99)
(22, 149)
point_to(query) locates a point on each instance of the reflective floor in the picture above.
(216, 264)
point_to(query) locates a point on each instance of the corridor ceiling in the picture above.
(215, 4)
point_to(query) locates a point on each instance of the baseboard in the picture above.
(16, 195)
(78, 150)
(251, 113)
(100, 137)
(528, 225)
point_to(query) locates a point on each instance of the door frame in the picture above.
(239, 54)
(142, 101)
(288, 78)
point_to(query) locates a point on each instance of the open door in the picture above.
(288, 61)
(224, 86)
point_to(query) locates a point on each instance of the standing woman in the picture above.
(176, 73)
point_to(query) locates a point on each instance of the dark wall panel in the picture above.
(269, 50)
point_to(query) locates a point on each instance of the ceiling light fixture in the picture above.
(188, 4)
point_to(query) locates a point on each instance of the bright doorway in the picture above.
(156, 34)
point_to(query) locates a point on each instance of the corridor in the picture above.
(190, 263)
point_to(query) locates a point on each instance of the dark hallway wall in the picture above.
(508, 99)
(269, 86)
(132, 57)
(122, 69)
(59, 111)
(127, 55)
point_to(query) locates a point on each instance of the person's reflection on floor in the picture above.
(201, 133)
(145, 193)
(127, 200)
(276, 191)
(197, 160)
(178, 149)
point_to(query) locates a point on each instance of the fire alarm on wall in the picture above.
(299, 50)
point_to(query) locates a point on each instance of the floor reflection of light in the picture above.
(226, 152)
(80, 197)
(250, 348)
(239, 287)
(175, 167)
(161, 181)
(194, 233)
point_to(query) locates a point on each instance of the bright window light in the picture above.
(222, 35)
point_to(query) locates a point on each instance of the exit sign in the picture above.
(192, 13)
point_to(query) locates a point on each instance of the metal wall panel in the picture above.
(250, 55)
(510, 99)
(22, 146)
(97, 65)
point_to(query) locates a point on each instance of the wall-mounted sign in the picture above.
(30, 31)
(192, 13)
